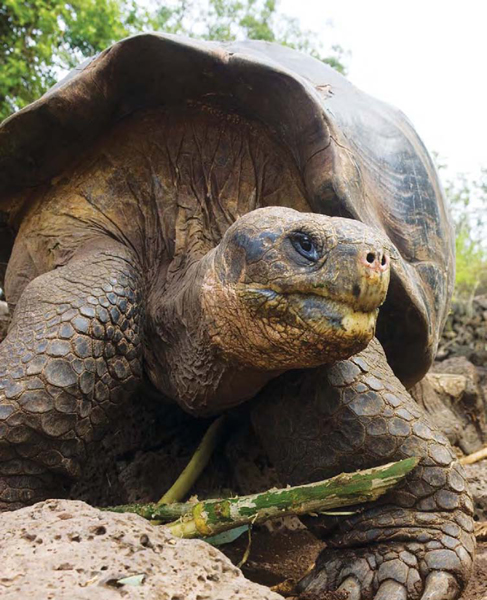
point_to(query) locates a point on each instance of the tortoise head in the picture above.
(292, 290)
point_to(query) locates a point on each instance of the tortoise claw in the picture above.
(312, 583)
(440, 585)
(352, 587)
(391, 590)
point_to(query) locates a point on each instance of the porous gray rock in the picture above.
(452, 394)
(61, 549)
(477, 479)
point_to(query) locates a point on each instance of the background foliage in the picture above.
(227, 20)
(41, 39)
(468, 203)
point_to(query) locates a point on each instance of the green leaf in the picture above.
(227, 536)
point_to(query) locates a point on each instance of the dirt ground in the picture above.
(264, 562)
(477, 474)
(477, 588)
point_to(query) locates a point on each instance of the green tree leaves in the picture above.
(468, 203)
(41, 39)
(229, 20)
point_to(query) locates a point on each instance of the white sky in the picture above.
(427, 57)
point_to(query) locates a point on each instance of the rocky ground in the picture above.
(464, 342)
(67, 550)
(477, 588)
(465, 332)
(61, 546)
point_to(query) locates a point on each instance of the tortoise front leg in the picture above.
(71, 356)
(418, 541)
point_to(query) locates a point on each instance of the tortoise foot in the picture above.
(410, 571)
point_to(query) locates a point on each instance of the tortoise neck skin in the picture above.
(182, 361)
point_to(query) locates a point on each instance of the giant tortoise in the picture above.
(223, 219)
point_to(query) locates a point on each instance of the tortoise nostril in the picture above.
(375, 260)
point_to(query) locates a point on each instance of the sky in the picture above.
(427, 57)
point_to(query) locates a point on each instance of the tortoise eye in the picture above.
(304, 245)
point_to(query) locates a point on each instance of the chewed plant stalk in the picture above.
(210, 517)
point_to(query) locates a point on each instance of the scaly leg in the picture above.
(71, 356)
(418, 541)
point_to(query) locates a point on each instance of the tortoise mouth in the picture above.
(318, 294)
(320, 312)
(313, 310)
(305, 329)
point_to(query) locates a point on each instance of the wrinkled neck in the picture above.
(181, 359)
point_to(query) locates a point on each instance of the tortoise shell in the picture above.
(357, 156)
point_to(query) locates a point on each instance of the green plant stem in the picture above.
(198, 462)
(151, 511)
(211, 517)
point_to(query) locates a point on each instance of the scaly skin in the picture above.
(419, 542)
(70, 358)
